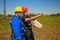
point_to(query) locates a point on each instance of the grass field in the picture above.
(49, 31)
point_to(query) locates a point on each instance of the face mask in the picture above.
(21, 14)
(26, 13)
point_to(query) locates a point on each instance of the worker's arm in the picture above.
(32, 18)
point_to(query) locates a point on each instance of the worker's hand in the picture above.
(40, 14)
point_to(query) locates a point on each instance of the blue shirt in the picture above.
(16, 26)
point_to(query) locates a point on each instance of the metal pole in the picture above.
(4, 9)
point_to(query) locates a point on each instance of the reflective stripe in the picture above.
(18, 37)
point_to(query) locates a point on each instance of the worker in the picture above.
(29, 33)
(27, 22)
(16, 25)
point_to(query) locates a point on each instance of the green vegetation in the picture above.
(49, 31)
(50, 22)
(4, 24)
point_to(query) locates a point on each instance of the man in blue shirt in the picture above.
(16, 25)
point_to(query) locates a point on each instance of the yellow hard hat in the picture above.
(18, 9)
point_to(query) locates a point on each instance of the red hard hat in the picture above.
(25, 9)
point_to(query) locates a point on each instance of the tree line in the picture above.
(32, 14)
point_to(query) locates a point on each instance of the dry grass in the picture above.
(49, 31)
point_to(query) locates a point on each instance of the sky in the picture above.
(34, 6)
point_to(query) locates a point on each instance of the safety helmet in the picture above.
(18, 9)
(25, 9)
